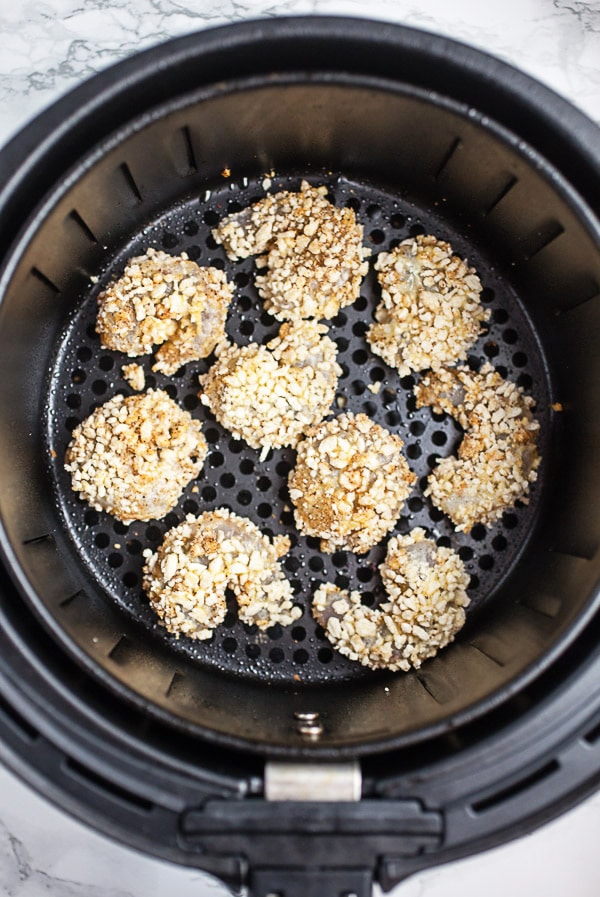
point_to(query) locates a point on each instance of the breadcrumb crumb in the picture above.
(134, 375)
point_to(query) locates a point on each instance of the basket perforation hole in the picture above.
(276, 655)
(73, 401)
(106, 363)
(99, 387)
(209, 493)
(230, 645)
(191, 402)
(377, 236)
(301, 656)
(216, 459)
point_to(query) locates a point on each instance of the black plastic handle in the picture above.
(311, 883)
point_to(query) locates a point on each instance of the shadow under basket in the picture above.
(418, 135)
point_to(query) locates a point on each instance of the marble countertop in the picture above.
(49, 46)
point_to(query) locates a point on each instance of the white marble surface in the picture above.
(49, 46)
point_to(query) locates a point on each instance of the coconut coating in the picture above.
(132, 457)
(498, 456)
(165, 300)
(426, 597)
(430, 311)
(349, 483)
(187, 577)
(270, 395)
(313, 252)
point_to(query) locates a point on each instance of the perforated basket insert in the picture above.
(85, 375)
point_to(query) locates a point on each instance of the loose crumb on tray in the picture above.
(164, 300)
(349, 483)
(313, 252)
(187, 577)
(132, 457)
(430, 311)
(426, 596)
(134, 375)
(498, 456)
(269, 395)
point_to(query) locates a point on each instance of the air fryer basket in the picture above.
(417, 135)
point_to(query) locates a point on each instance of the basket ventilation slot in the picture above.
(39, 275)
(81, 224)
(510, 184)
(446, 160)
(130, 180)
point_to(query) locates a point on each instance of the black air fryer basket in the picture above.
(207, 754)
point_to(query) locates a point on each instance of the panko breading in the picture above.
(165, 300)
(269, 395)
(135, 376)
(497, 458)
(349, 483)
(134, 456)
(426, 591)
(314, 255)
(197, 561)
(430, 311)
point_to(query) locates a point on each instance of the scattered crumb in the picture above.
(497, 458)
(350, 483)
(267, 184)
(430, 311)
(312, 252)
(52, 453)
(94, 279)
(165, 300)
(426, 591)
(557, 406)
(133, 456)
(374, 387)
(134, 375)
(270, 395)
(226, 173)
(186, 579)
